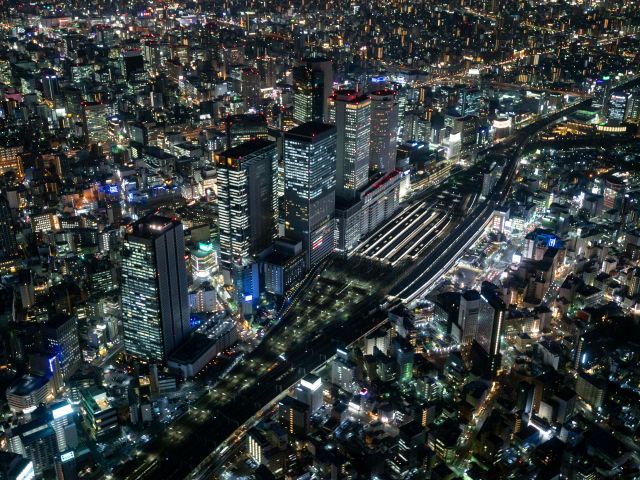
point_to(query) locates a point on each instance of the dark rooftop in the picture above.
(246, 148)
(152, 226)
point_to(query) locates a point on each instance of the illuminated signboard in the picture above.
(65, 457)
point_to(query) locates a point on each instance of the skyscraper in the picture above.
(267, 69)
(309, 188)
(491, 318)
(50, 83)
(312, 85)
(132, 65)
(155, 304)
(353, 125)
(251, 87)
(309, 391)
(94, 122)
(384, 130)
(8, 243)
(151, 54)
(60, 337)
(247, 201)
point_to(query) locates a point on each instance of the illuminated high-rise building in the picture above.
(309, 187)
(8, 243)
(312, 85)
(267, 70)
(247, 201)
(94, 122)
(251, 88)
(491, 320)
(384, 130)
(632, 113)
(132, 65)
(309, 391)
(63, 423)
(60, 337)
(617, 107)
(353, 127)
(50, 83)
(154, 299)
(151, 55)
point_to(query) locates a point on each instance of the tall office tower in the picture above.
(36, 441)
(309, 187)
(132, 65)
(633, 107)
(309, 391)
(343, 371)
(404, 353)
(468, 319)
(459, 311)
(353, 126)
(94, 122)
(154, 299)
(384, 130)
(491, 319)
(63, 423)
(60, 337)
(151, 55)
(617, 107)
(8, 243)
(251, 87)
(26, 288)
(312, 86)
(50, 83)
(601, 94)
(242, 128)
(247, 201)
(267, 69)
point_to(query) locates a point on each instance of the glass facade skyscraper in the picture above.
(60, 337)
(8, 243)
(353, 125)
(312, 85)
(309, 190)
(247, 201)
(491, 319)
(384, 130)
(155, 304)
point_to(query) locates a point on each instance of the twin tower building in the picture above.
(284, 205)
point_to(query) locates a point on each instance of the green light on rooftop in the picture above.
(205, 247)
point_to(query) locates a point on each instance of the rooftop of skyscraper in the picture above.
(350, 96)
(311, 130)
(152, 225)
(246, 148)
